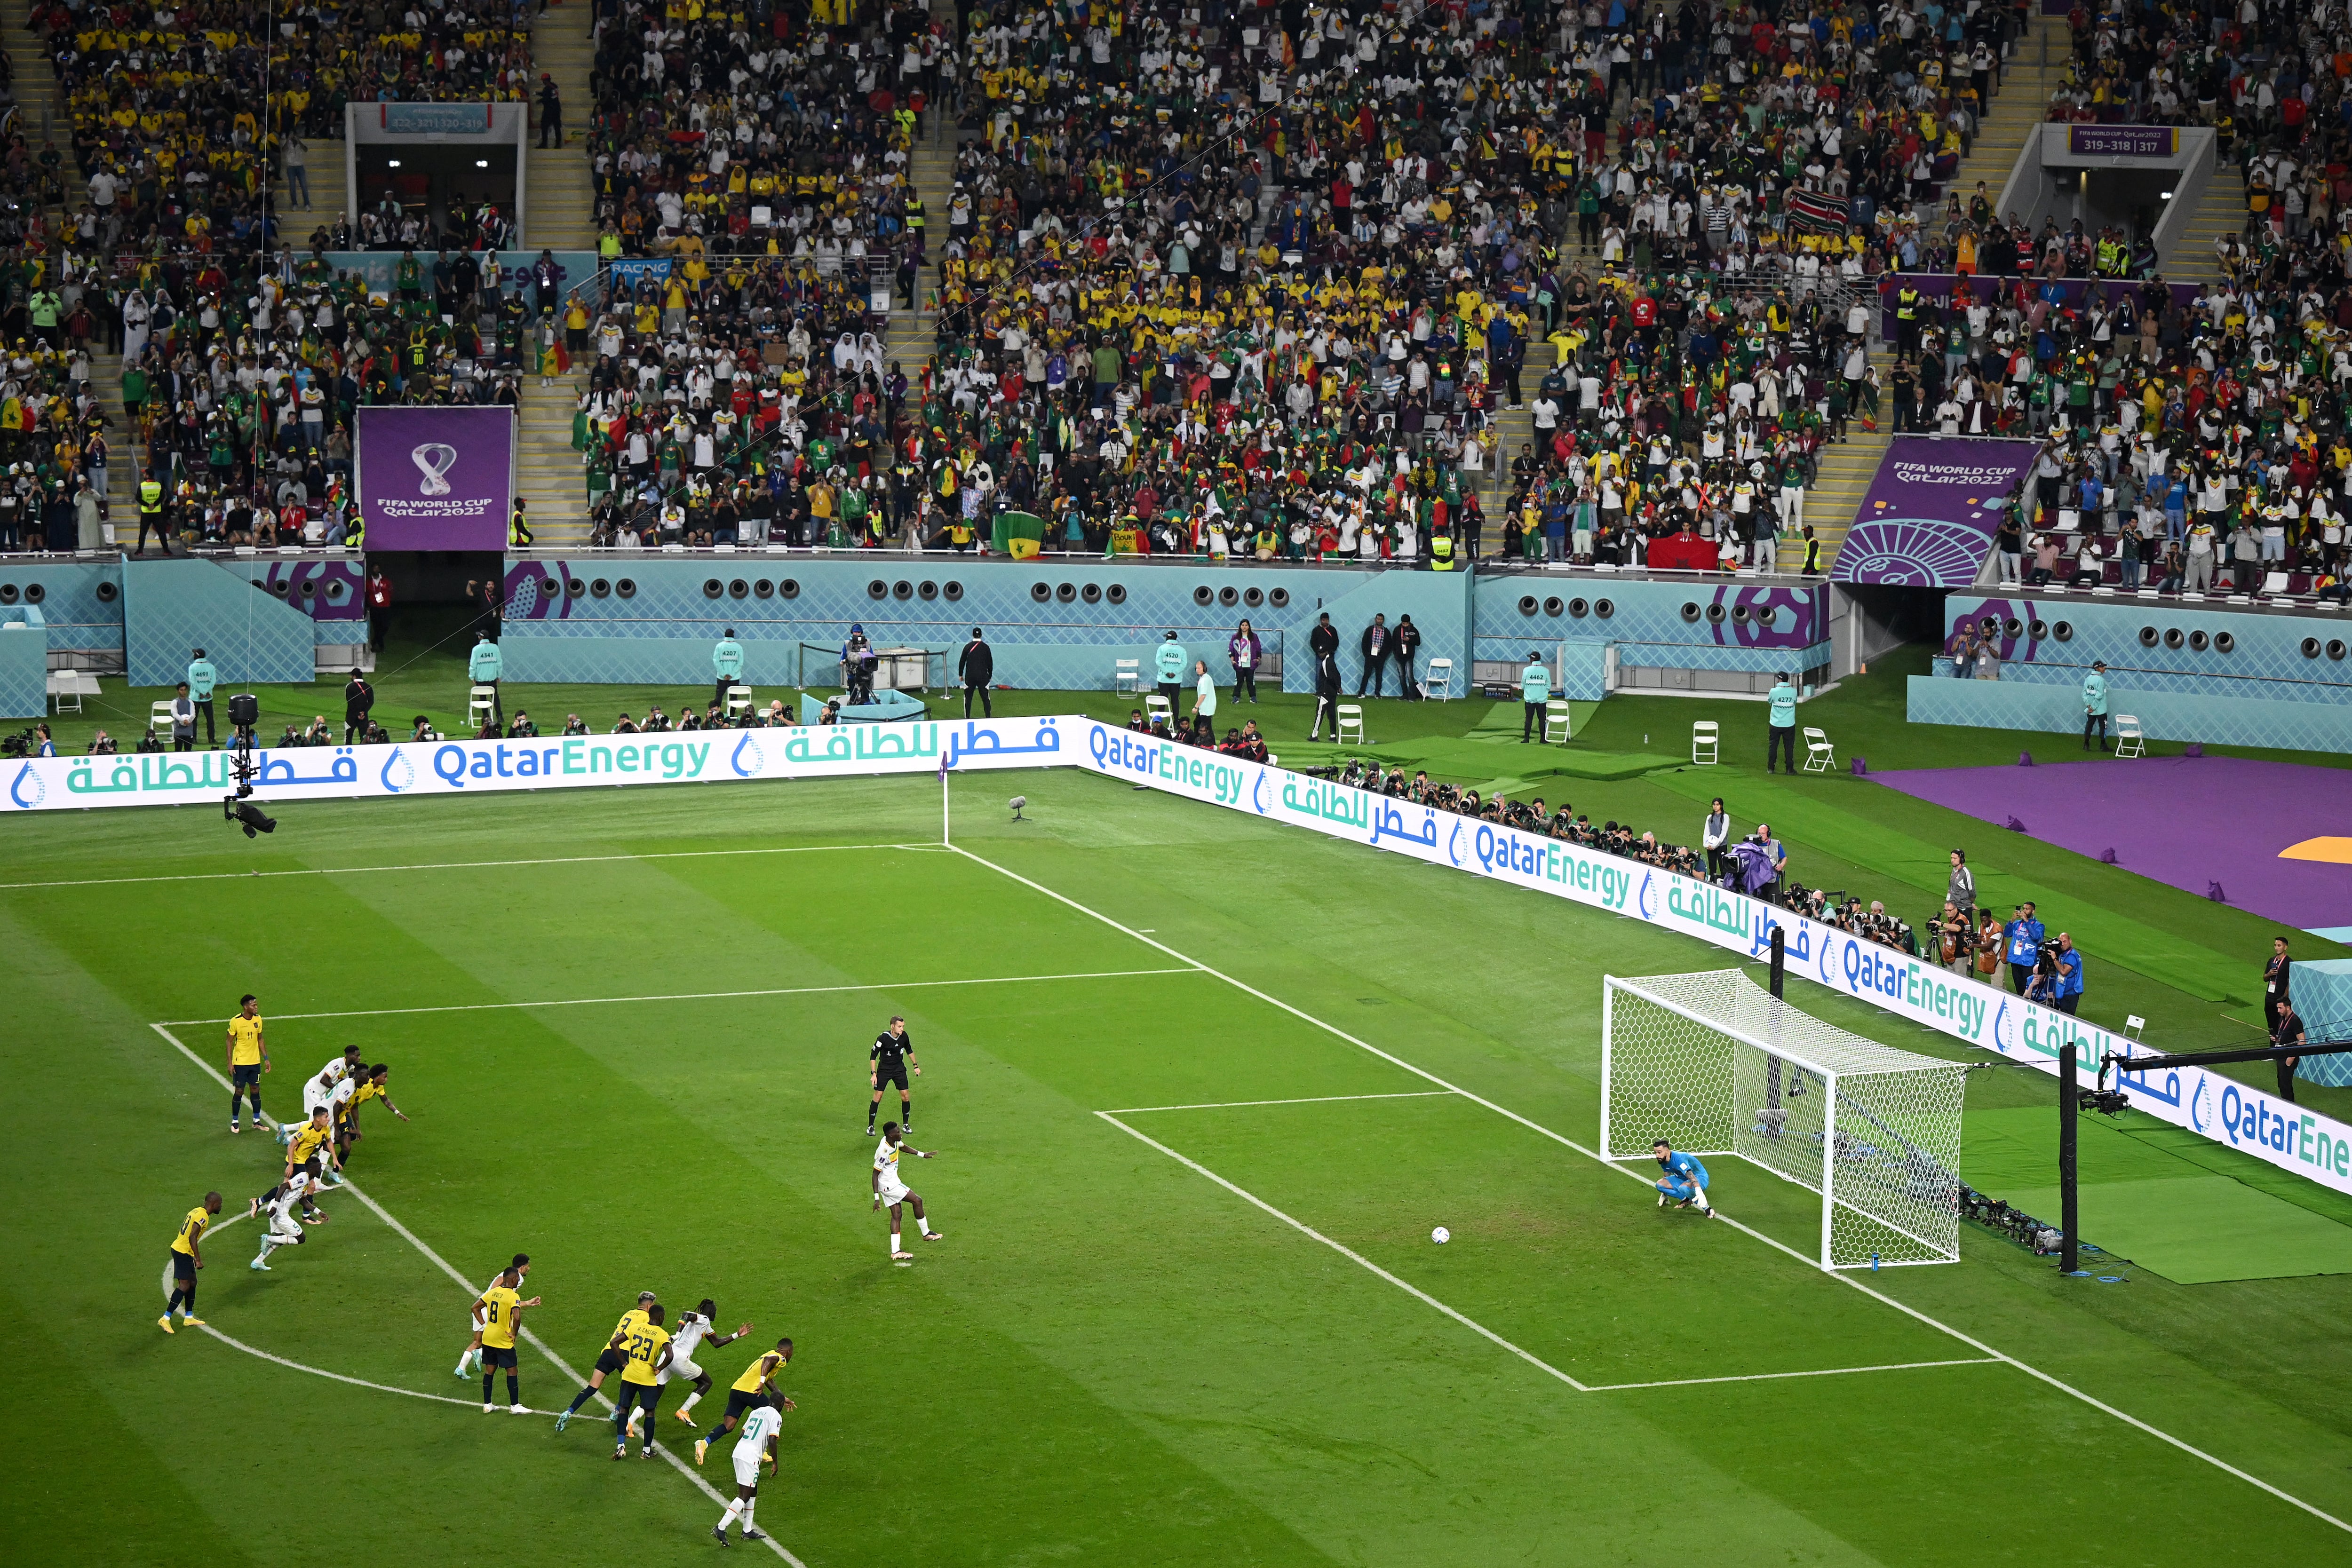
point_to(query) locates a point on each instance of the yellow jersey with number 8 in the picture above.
(499, 1317)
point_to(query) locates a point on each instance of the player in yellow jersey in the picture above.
(646, 1351)
(248, 1059)
(188, 1257)
(306, 1150)
(753, 1388)
(610, 1361)
(372, 1083)
(498, 1318)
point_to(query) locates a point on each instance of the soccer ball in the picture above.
(1441, 1236)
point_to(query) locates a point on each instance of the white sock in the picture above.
(689, 1402)
(734, 1507)
(749, 1504)
(924, 1221)
(893, 1242)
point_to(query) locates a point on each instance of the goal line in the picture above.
(1713, 1064)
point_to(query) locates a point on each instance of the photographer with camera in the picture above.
(1953, 937)
(2024, 935)
(2057, 979)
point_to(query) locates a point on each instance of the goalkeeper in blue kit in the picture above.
(1684, 1181)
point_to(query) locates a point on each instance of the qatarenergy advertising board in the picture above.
(1979, 1015)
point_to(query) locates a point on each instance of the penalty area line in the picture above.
(453, 866)
(1817, 1371)
(708, 996)
(1481, 1330)
(540, 1345)
(1841, 1278)
(1310, 1100)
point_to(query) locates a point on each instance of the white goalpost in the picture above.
(1716, 1065)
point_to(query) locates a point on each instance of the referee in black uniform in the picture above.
(892, 1056)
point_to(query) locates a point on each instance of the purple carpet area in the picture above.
(2191, 821)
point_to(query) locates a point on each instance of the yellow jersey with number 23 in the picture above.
(643, 1349)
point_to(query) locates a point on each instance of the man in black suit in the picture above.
(1408, 647)
(1327, 695)
(975, 669)
(1376, 643)
(2274, 983)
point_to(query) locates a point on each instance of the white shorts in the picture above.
(894, 1193)
(747, 1468)
(685, 1369)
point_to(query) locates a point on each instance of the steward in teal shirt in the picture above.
(484, 666)
(1783, 735)
(1535, 691)
(2094, 704)
(202, 679)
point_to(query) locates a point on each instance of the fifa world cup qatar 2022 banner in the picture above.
(2219, 1108)
(1931, 512)
(436, 478)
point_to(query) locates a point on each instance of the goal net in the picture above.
(1716, 1065)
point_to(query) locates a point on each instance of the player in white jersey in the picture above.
(889, 1189)
(693, 1330)
(758, 1442)
(318, 1089)
(282, 1227)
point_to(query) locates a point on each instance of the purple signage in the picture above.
(2122, 140)
(436, 478)
(1931, 512)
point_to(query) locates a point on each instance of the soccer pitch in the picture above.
(1200, 1087)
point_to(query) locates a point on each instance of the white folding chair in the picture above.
(158, 719)
(1351, 717)
(1706, 739)
(1439, 685)
(67, 686)
(1156, 706)
(1556, 721)
(2129, 740)
(1819, 758)
(1127, 675)
(739, 700)
(2133, 1024)
(481, 702)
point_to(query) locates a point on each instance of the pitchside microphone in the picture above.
(1019, 801)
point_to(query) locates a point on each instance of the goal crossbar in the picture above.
(1716, 1065)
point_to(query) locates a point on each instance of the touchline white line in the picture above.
(540, 1345)
(1310, 1100)
(705, 996)
(456, 865)
(1843, 1279)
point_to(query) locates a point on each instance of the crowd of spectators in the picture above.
(240, 375)
(2195, 433)
(1252, 283)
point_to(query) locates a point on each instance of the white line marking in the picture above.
(706, 995)
(1973, 1344)
(1357, 1258)
(680, 1466)
(1822, 1372)
(1310, 1100)
(455, 865)
(354, 1381)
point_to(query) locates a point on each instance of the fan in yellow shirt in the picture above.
(498, 1318)
(188, 1257)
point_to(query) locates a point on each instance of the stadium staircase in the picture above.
(562, 216)
(2221, 210)
(40, 108)
(1843, 471)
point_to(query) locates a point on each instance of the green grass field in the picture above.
(631, 1029)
